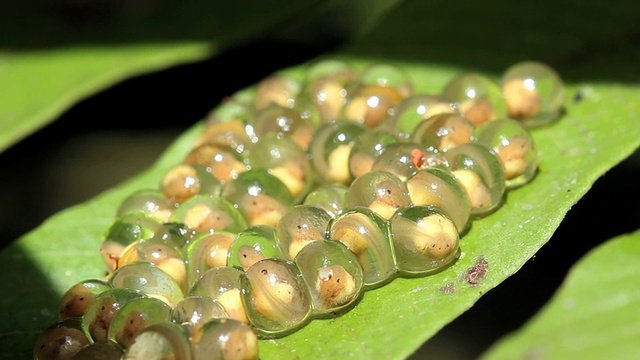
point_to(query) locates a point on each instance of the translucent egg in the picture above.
(195, 311)
(231, 109)
(165, 256)
(99, 314)
(226, 339)
(405, 158)
(413, 110)
(515, 147)
(78, 297)
(329, 197)
(425, 240)
(206, 214)
(379, 190)
(480, 173)
(254, 244)
(260, 196)
(330, 149)
(387, 75)
(107, 350)
(332, 273)
(207, 251)
(186, 180)
(285, 160)
(126, 230)
(366, 235)
(533, 92)
(223, 162)
(148, 279)
(441, 132)
(299, 227)
(61, 340)
(310, 113)
(134, 316)
(368, 147)
(439, 188)
(159, 342)
(230, 133)
(479, 98)
(151, 202)
(370, 104)
(275, 297)
(222, 284)
(284, 121)
(173, 234)
(279, 89)
(326, 84)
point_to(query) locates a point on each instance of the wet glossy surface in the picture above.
(302, 225)
(134, 316)
(480, 173)
(160, 341)
(275, 296)
(515, 147)
(478, 97)
(438, 187)
(389, 180)
(534, 93)
(424, 240)
(380, 191)
(367, 236)
(332, 274)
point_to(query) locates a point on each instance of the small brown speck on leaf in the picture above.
(450, 288)
(479, 270)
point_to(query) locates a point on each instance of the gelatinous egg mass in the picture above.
(62, 340)
(424, 239)
(439, 188)
(275, 296)
(301, 194)
(478, 97)
(76, 300)
(254, 244)
(223, 284)
(515, 147)
(330, 150)
(195, 311)
(480, 173)
(299, 227)
(381, 191)
(533, 92)
(367, 235)
(260, 196)
(332, 273)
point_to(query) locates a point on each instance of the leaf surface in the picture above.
(593, 315)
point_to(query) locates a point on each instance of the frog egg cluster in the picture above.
(298, 196)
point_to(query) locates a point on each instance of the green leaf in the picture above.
(594, 314)
(391, 322)
(42, 84)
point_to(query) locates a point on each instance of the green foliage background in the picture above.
(73, 50)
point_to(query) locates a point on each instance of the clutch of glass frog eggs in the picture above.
(297, 197)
